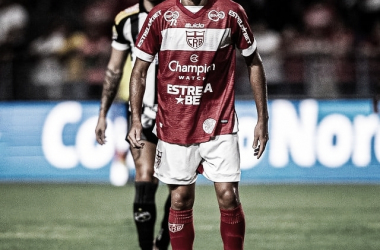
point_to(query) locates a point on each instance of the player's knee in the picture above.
(181, 201)
(144, 173)
(227, 199)
(145, 177)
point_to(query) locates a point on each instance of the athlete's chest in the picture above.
(207, 32)
(207, 19)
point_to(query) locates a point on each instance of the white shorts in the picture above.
(178, 164)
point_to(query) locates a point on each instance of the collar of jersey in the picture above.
(197, 14)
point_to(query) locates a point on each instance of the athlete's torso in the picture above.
(196, 70)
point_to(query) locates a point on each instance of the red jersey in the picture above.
(196, 54)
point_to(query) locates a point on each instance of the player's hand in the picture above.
(134, 135)
(100, 131)
(261, 138)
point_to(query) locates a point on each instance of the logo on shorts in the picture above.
(174, 228)
(158, 159)
(209, 125)
(195, 39)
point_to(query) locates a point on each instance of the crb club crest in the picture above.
(175, 227)
(195, 39)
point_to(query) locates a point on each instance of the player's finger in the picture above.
(260, 150)
(255, 143)
(262, 146)
(100, 137)
(256, 150)
(134, 139)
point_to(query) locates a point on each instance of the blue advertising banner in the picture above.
(315, 141)
(50, 141)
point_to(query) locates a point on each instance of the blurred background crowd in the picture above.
(58, 50)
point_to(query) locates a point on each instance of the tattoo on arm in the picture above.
(110, 86)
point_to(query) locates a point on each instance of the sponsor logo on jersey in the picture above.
(142, 216)
(195, 38)
(188, 95)
(174, 228)
(216, 16)
(209, 125)
(146, 31)
(241, 25)
(175, 66)
(194, 25)
(194, 58)
(171, 17)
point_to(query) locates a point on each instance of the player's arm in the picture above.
(110, 87)
(259, 88)
(136, 90)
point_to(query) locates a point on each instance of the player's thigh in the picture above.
(176, 164)
(221, 158)
(144, 161)
(227, 194)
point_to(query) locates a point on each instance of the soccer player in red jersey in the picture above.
(196, 123)
(125, 30)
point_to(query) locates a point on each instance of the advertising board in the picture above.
(315, 141)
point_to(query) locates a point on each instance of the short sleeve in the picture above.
(119, 41)
(245, 41)
(148, 41)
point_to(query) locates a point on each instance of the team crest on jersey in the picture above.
(208, 125)
(174, 228)
(195, 39)
(171, 17)
(216, 16)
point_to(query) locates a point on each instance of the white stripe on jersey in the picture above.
(249, 51)
(119, 46)
(143, 56)
(128, 33)
(214, 39)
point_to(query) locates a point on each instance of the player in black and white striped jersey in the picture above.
(125, 30)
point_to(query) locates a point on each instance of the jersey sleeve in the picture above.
(245, 41)
(148, 41)
(119, 41)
